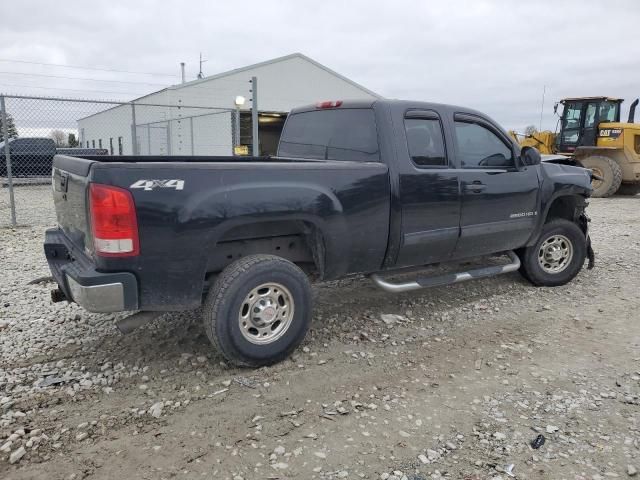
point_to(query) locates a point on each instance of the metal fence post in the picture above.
(236, 133)
(169, 133)
(134, 134)
(193, 148)
(7, 156)
(254, 117)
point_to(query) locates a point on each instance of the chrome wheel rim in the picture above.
(555, 254)
(266, 313)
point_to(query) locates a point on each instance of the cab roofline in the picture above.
(579, 99)
(392, 103)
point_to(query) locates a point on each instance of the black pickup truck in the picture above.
(358, 187)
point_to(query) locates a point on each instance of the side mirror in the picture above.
(555, 108)
(530, 156)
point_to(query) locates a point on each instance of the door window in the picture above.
(479, 147)
(590, 118)
(609, 111)
(572, 115)
(425, 142)
(571, 123)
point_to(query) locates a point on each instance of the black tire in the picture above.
(609, 170)
(532, 270)
(629, 189)
(229, 295)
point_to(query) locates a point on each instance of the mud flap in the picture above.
(584, 225)
(590, 255)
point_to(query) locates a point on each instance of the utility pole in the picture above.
(255, 149)
(544, 90)
(200, 75)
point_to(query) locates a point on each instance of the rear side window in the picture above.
(340, 134)
(479, 147)
(425, 142)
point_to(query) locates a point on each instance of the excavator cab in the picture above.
(580, 119)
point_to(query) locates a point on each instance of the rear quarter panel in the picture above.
(348, 202)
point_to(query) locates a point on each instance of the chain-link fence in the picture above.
(34, 129)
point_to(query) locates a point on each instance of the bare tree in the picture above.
(59, 137)
(530, 130)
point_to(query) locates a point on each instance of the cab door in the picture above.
(428, 188)
(572, 119)
(499, 196)
(590, 130)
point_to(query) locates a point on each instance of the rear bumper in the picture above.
(81, 283)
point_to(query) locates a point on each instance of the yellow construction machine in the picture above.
(592, 136)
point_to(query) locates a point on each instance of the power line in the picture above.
(89, 68)
(71, 89)
(81, 78)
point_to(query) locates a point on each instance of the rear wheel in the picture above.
(629, 189)
(557, 256)
(608, 170)
(259, 310)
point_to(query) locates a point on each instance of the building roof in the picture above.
(269, 62)
(244, 69)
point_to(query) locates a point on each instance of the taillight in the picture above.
(329, 104)
(113, 221)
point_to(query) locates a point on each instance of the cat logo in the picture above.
(149, 185)
(610, 132)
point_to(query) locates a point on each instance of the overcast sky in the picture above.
(495, 56)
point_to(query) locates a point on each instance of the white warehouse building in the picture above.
(199, 117)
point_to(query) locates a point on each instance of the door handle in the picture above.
(475, 187)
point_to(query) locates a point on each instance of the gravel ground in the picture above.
(453, 382)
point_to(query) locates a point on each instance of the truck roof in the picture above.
(393, 104)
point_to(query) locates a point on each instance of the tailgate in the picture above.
(70, 182)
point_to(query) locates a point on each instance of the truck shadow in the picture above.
(342, 310)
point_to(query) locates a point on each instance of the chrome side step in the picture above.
(448, 278)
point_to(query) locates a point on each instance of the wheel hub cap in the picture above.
(555, 254)
(266, 313)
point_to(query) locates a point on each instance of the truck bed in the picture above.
(197, 214)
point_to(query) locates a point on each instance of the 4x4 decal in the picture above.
(151, 184)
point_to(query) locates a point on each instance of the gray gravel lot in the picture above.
(457, 384)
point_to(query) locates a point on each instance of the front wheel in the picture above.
(259, 310)
(557, 256)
